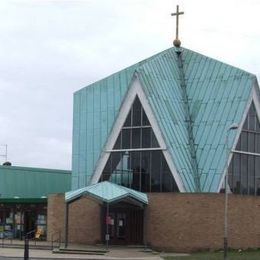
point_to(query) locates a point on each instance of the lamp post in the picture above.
(232, 127)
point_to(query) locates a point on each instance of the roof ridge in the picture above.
(139, 64)
(188, 119)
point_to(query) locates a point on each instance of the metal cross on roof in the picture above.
(177, 42)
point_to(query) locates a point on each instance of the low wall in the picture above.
(84, 219)
(190, 222)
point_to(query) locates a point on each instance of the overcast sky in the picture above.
(51, 48)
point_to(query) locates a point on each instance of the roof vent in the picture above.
(7, 163)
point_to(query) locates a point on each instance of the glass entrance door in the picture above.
(125, 225)
(121, 226)
(117, 227)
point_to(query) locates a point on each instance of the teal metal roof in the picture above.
(107, 192)
(32, 183)
(216, 96)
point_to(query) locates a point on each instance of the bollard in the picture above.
(26, 248)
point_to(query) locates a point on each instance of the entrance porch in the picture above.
(121, 215)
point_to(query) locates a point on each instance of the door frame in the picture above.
(134, 223)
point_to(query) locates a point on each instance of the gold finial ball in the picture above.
(177, 43)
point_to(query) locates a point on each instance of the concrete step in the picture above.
(126, 246)
(80, 251)
(140, 248)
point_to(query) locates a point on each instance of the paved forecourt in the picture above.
(113, 254)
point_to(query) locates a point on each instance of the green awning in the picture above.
(107, 192)
(23, 200)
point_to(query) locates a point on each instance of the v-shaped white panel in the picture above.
(135, 89)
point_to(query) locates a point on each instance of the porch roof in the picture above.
(106, 192)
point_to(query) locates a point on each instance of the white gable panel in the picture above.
(135, 89)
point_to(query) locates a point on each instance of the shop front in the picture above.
(21, 216)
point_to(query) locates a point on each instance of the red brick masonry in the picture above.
(189, 222)
(84, 219)
(179, 222)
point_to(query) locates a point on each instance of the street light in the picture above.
(232, 127)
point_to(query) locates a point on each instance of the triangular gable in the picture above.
(106, 192)
(135, 91)
(240, 142)
(218, 95)
(96, 107)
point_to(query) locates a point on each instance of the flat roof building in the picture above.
(23, 198)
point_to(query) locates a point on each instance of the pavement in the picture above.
(13, 249)
(117, 253)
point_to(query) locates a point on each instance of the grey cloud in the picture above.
(49, 49)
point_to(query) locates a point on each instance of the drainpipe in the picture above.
(66, 226)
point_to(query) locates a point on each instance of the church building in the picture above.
(152, 145)
(155, 146)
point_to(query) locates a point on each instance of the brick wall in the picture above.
(84, 219)
(173, 222)
(55, 216)
(190, 222)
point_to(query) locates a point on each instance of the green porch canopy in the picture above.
(107, 192)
